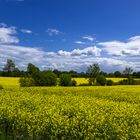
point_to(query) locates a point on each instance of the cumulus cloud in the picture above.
(89, 51)
(52, 32)
(130, 48)
(7, 34)
(26, 31)
(76, 59)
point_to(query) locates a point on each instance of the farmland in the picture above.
(10, 81)
(69, 113)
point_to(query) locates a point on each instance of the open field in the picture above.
(11, 81)
(85, 80)
(70, 113)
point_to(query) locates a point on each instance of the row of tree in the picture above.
(10, 70)
(33, 76)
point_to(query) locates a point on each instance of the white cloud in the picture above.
(89, 51)
(26, 31)
(7, 34)
(134, 38)
(93, 51)
(64, 60)
(80, 42)
(52, 32)
(89, 38)
(77, 59)
(117, 48)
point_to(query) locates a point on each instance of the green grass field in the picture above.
(69, 113)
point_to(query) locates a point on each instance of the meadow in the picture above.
(69, 113)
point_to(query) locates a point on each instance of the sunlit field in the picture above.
(70, 113)
(10, 81)
(85, 80)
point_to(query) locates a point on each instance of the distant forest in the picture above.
(10, 70)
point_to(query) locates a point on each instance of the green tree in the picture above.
(34, 72)
(48, 78)
(9, 67)
(65, 80)
(128, 72)
(92, 72)
(117, 74)
(32, 69)
(101, 79)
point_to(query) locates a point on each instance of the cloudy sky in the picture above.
(70, 34)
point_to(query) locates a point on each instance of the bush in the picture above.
(48, 78)
(130, 81)
(123, 82)
(84, 84)
(1, 87)
(26, 82)
(101, 80)
(65, 80)
(109, 82)
(73, 83)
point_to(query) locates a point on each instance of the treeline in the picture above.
(10, 70)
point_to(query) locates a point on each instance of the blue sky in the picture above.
(71, 34)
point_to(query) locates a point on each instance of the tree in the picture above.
(48, 78)
(127, 72)
(32, 69)
(9, 67)
(65, 80)
(101, 80)
(92, 72)
(117, 74)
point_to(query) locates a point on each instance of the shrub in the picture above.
(65, 80)
(73, 83)
(109, 82)
(129, 81)
(101, 80)
(84, 84)
(48, 78)
(26, 82)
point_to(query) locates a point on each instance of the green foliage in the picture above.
(32, 70)
(9, 66)
(26, 82)
(73, 83)
(92, 72)
(101, 80)
(127, 72)
(109, 82)
(65, 80)
(129, 81)
(117, 74)
(48, 78)
(82, 113)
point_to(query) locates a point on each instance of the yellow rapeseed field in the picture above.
(71, 113)
(9, 81)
